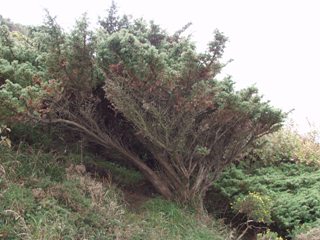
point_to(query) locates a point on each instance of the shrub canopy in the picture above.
(191, 125)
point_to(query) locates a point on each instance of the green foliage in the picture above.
(121, 175)
(80, 48)
(20, 59)
(269, 235)
(306, 230)
(193, 124)
(284, 166)
(255, 206)
(23, 78)
(113, 22)
(190, 123)
(292, 188)
(43, 63)
(18, 101)
(70, 57)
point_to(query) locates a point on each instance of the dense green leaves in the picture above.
(292, 188)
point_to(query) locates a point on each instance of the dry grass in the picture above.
(313, 234)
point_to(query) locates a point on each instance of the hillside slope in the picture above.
(52, 196)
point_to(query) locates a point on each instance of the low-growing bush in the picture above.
(293, 190)
(255, 206)
(268, 235)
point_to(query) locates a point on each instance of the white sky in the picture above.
(275, 44)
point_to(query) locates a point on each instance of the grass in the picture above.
(51, 197)
(42, 198)
(174, 222)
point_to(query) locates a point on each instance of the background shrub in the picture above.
(286, 145)
(256, 206)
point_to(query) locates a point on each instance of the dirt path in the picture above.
(136, 196)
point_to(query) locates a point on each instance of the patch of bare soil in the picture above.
(136, 196)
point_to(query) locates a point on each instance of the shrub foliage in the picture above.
(292, 190)
(191, 125)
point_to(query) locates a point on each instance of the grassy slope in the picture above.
(45, 196)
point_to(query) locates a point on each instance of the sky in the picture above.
(275, 44)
